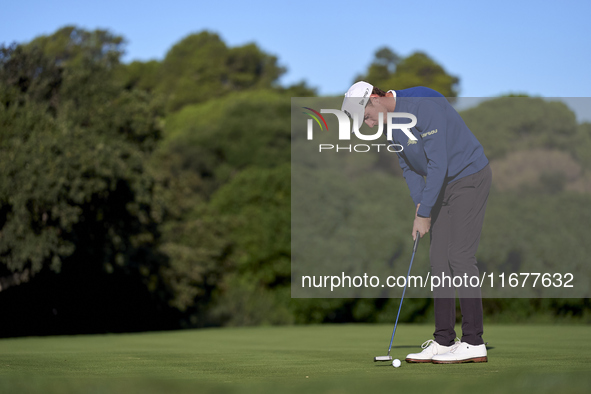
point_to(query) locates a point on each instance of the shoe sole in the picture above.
(416, 360)
(468, 360)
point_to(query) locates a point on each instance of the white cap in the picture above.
(356, 99)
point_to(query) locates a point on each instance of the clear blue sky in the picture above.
(536, 47)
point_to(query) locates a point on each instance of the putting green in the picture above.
(326, 358)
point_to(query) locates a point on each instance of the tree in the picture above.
(201, 67)
(223, 136)
(139, 75)
(255, 285)
(582, 145)
(75, 196)
(65, 162)
(389, 71)
(72, 47)
(382, 67)
(508, 124)
(220, 175)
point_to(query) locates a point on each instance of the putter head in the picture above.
(382, 358)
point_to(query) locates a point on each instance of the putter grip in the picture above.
(414, 248)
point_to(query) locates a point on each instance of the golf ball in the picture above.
(396, 363)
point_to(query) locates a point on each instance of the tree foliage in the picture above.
(508, 124)
(73, 48)
(201, 67)
(389, 71)
(582, 145)
(73, 148)
(163, 188)
(222, 173)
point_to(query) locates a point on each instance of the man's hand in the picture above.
(422, 225)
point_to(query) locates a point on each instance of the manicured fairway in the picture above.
(306, 359)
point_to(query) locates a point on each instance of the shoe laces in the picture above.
(455, 346)
(427, 343)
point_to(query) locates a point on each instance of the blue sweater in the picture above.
(446, 149)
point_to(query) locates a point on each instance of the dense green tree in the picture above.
(214, 190)
(72, 148)
(389, 71)
(381, 68)
(256, 286)
(139, 75)
(201, 67)
(234, 251)
(200, 216)
(77, 229)
(220, 137)
(582, 145)
(72, 47)
(508, 124)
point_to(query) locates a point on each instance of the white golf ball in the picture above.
(396, 363)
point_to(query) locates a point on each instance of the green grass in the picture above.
(328, 358)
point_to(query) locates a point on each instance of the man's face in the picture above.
(373, 109)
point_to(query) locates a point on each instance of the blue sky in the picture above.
(536, 47)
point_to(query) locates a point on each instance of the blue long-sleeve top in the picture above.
(445, 150)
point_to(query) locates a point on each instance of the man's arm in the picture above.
(433, 124)
(415, 182)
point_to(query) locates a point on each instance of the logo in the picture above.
(428, 133)
(345, 129)
(315, 117)
(364, 97)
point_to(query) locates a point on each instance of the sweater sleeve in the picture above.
(415, 181)
(431, 121)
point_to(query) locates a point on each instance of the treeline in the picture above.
(156, 195)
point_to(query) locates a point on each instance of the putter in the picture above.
(414, 250)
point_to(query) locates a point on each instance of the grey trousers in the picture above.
(456, 224)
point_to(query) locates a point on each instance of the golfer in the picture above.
(449, 178)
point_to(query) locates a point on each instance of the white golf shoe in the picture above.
(430, 349)
(462, 352)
